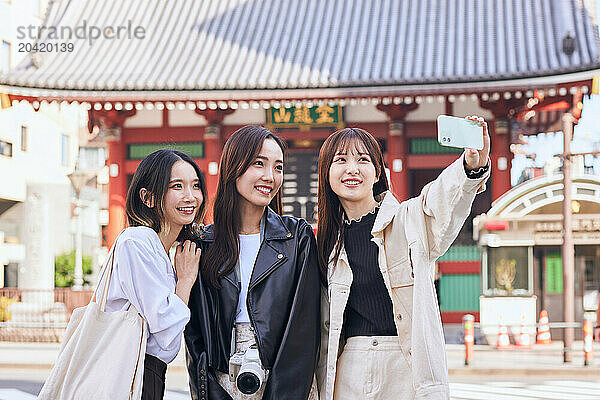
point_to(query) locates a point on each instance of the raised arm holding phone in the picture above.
(381, 333)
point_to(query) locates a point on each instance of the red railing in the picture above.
(38, 315)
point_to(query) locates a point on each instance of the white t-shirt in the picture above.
(249, 245)
(144, 276)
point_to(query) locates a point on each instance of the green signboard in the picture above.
(554, 274)
(304, 117)
(460, 292)
(138, 151)
(430, 146)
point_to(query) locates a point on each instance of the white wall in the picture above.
(144, 119)
(15, 13)
(153, 118)
(363, 113)
(185, 117)
(427, 111)
(246, 117)
(40, 162)
(468, 106)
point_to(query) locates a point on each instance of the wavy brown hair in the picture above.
(154, 174)
(240, 151)
(330, 233)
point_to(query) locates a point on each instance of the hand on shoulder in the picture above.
(187, 260)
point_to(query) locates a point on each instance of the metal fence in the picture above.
(38, 315)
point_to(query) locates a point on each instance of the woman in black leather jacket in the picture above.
(259, 282)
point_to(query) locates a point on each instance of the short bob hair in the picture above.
(154, 174)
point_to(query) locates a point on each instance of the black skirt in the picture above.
(155, 370)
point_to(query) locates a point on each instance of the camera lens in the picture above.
(248, 383)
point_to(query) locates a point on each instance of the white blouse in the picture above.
(143, 275)
(249, 246)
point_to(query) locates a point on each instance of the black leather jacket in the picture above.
(283, 303)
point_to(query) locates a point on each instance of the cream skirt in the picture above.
(374, 368)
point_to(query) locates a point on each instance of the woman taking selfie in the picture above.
(254, 327)
(165, 200)
(376, 257)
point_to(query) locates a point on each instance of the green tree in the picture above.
(64, 269)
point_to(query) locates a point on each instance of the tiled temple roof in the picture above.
(262, 45)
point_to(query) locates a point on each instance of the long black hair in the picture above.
(240, 150)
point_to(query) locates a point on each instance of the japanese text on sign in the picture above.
(305, 117)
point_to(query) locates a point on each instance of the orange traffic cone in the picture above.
(588, 340)
(523, 339)
(503, 342)
(543, 333)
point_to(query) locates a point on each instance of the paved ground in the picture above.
(25, 383)
(472, 388)
(528, 389)
(533, 374)
(539, 360)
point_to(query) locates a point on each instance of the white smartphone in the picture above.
(459, 132)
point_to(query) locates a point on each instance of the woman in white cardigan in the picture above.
(166, 199)
(381, 334)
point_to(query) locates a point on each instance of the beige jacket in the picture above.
(410, 236)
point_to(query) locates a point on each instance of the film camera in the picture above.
(246, 370)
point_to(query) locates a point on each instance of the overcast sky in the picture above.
(586, 137)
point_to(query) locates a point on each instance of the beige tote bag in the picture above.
(102, 353)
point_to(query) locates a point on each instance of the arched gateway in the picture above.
(520, 238)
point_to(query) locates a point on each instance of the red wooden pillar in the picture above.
(500, 156)
(397, 147)
(397, 160)
(213, 146)
(117, 190)
(110, 124)
(500, 134)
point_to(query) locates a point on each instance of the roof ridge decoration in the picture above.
(232, 46)
(512, 201)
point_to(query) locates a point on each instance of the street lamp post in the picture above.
(78, 179)
(568, 250)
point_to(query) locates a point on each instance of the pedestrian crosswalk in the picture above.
(499, 390)
(16, 394)
(546, 390)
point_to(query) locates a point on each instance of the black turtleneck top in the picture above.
(369, 309)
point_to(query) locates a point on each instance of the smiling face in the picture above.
(352, 173)
(259, 184)
(183, 197)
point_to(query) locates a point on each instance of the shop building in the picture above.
(521, 238)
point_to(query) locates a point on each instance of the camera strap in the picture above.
(239, 284)
(233, 341)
